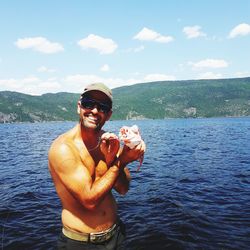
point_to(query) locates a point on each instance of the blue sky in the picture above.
(59, 45)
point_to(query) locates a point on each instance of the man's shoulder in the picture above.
(63, 140)
(62, 145)
(61, 151)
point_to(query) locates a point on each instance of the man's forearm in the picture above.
(124, 178)
(102, 186)
(115, 174)
(123, 181)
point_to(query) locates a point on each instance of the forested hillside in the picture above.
(154, 100)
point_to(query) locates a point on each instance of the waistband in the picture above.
(97, 237)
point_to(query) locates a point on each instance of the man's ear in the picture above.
(109, 115)
(78, 107)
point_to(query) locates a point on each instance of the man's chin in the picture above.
(91, 125)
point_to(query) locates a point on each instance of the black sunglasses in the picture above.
(91, 104)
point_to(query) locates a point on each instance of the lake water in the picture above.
(192, 192)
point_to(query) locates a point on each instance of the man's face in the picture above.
(94, 110)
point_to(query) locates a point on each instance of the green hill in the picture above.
(18, 107)
(154, 100)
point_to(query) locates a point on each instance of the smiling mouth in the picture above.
(93, 119)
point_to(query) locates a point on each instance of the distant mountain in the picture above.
(18, 107)
(154, 100)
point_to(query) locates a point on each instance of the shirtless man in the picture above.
(86, 163)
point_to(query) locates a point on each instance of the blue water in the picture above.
(192, 192)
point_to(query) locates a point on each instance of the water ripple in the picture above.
(192, 192)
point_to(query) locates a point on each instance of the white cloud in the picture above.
(82, 79)
(103, 45)
(40, 44)
(76, 83)
(45, 69)
(138, 49)
(158, 77)
(30, 85)
(193, 31)
(242, 29)
(105, 68)
(72, 83)
(30, 79)
(209, 63)
(135, 50)
(150, 35)
(242, 74)
(209, 75)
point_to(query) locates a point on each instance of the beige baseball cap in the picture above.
(99, 87)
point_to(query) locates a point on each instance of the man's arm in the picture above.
(123, 181)
(76, 177)
(127, 155)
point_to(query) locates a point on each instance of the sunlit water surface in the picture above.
(192, 192)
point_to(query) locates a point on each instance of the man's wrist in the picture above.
(115, 168)
(122, 161)
(114, 162)
(118, 162)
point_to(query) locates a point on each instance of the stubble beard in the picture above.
(86, 126)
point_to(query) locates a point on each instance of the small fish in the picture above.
(131, 137)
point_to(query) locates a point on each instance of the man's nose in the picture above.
(95, 110)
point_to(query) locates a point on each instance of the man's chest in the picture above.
(95, 163)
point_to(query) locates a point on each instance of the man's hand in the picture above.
(109, 147)
(128, 155)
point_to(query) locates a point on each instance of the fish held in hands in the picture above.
(131, 137)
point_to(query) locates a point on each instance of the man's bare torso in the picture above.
(74, 215)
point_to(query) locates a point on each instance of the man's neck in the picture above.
(90, 137)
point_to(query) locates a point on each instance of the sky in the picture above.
(50, 46)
